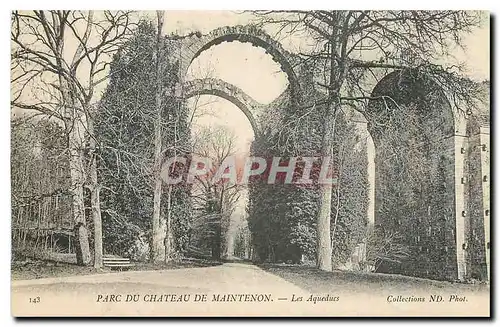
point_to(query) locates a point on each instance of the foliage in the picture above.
(350, 194)
(38, 158)
(39, 174)
(125, 125)
(282, 217)
(415, 171)
(385, 247)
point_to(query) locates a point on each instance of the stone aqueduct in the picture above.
(468, 143)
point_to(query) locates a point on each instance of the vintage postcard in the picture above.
(250, 163)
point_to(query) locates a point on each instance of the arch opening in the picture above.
(244, 66)
(196, 45)
(218, 132)
(257, 42)
(412, 129)
(226, 91)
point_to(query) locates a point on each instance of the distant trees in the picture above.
(40, 183)
(385, 247)
(242, 242)
(214, 200)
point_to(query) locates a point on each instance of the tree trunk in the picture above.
(158, 246)
(227, 240)
(216, 243)
(95, 198)
(169, 237)
(324, 246)
(216, 251)
(77, 174)
(337, 193)
(228, 246)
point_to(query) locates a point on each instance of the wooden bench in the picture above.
(115, 262)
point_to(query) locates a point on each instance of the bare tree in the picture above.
(158, 246)
(394, 40)
(59, 59)
(384, 246)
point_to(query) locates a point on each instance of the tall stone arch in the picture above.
(191, 47)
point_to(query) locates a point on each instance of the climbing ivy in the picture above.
(282, 218)
(125, 129)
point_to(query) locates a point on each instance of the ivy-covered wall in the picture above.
(282, 218)
(415, 174)
(125, 126)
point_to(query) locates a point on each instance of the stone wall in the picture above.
(478, 195)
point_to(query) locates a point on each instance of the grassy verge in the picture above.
(317, 281)
(34, 269)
